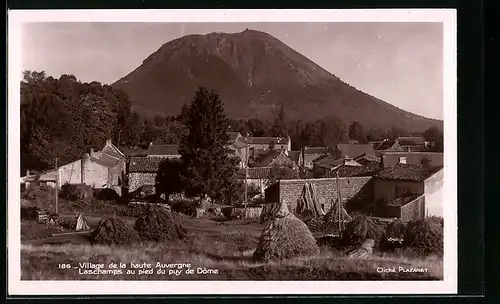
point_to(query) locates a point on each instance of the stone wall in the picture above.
(351, 188)
(138, 179)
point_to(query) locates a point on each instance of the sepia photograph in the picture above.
(232, 151)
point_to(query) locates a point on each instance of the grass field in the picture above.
(226, 247)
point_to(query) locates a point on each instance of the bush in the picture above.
(113, 232)
(157, 224)
(185, 207)
(44, 196)
(29, 213)
(425, 236)
(362, 228)
(36, 231)
(76, 192)
(396, 229)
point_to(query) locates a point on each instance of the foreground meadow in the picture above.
(215, 251)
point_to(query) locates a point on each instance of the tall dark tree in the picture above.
(209, 170)
(432, 134)
(357, 132)
(396, 132)
(168, 179)
(257, 127)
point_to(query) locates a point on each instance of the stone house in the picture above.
(329, 163)
(354, 190)
(256, 177)
(400, 180)
(258, 145)
(239, 148)
(142, 173)
(403, 191)
(274, 158)
(104, 169)
(310, 154)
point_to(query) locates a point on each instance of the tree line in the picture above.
(65, 117)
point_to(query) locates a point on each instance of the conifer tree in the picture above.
(209, 169)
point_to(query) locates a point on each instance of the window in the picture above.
(402, 160)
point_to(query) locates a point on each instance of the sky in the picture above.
(400, 63)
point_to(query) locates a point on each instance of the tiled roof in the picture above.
(267, 140)
(266, 158)
(407, 172)
(386, 145)
(314, 150)
(44, 176)
(354, 150)
(409, 141)
(105, 160)
(239, 144)
(163, 150)
(351, 171)
(367, 158)
(145, 164)
(112, 153)
(332, 162)
(233, 135)
(401, 201)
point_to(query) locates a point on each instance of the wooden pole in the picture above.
(57, 187)
(339, 208)
(246, 178)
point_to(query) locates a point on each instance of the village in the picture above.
(400, 173)
(384, 186)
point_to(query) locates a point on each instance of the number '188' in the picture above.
(64, 266)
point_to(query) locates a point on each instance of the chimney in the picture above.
(108, 142)
(27, 172)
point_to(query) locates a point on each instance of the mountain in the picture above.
(255, 73)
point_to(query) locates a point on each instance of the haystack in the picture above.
(113, 232)
(308, 203)
(157, 224)
(362, 228)
(332, 218)
(285, 237)
(269, 212)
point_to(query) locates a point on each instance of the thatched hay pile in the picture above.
(308, 203)
(285, 237)
(157, 224)
(113, 232)
(269, 212)
(332, 218)
(425, 236)
(362, 228)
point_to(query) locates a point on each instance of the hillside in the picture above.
(255, 73)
